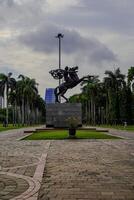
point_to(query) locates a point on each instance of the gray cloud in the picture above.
(7, 2)
(43, 40)
(97, 34)
(111, 14)
(21, 14)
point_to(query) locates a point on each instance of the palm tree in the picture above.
(39, 106)
(12, 101)
(114, 83)
(90, 89)
(130, 95)
(6, 83)
(110, 101)
(131, 78)
(27, 92)
(22, 96)
(30, 93)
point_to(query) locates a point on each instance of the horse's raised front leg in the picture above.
(62, 94)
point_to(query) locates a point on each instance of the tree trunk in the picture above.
(15, 112)
(6, 103)
(23, 111)
(94, 114)
(92, 111)
(89, 111)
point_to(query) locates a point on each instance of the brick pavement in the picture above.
(125, 134)
(11, 186)
(75, 169)
(89, 169)
(21, 166)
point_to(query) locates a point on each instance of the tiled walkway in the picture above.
(21, 166)
(74, 169)
(90, 169)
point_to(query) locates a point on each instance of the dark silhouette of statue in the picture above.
(71, 79)
(66, 76)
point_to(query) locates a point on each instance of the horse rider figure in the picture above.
(70, 76)
(71, 79)
(73, 74)
(66, 76)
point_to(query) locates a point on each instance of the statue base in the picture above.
(57, 114)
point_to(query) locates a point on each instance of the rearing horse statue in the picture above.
(71, 80)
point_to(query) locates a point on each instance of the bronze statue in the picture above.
(71, 79)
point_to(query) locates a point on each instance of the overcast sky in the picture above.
(98, 35)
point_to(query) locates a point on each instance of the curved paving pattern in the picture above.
(74, 169)
(21, 166)
(11, 187)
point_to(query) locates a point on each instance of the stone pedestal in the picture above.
(57, 114)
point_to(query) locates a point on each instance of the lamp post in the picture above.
(59, 36)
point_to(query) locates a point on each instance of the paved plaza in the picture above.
(66, 169)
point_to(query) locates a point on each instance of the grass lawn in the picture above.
(119, 127)
(63, 134)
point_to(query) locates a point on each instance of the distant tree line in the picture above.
(110, 101)
(23, 102)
